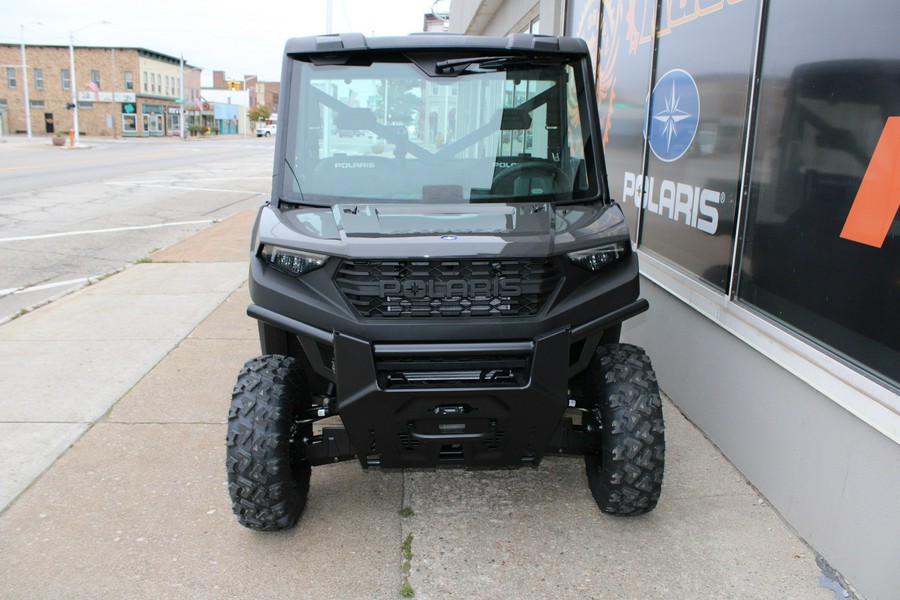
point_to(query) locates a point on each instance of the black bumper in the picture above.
(475, 404)
(457, 410)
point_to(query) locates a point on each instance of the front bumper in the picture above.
(449, 415)
(475, 404)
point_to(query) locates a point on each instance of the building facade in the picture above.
(753, 145)
(119, 91)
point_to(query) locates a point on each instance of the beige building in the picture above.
(137, 91)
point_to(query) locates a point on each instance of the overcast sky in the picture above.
(237, 38)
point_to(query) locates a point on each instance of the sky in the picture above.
(211, 34)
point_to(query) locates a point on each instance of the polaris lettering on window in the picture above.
(354, 165)
(683, 202)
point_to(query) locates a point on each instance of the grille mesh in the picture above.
(447, 287)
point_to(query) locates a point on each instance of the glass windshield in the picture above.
(485, 129)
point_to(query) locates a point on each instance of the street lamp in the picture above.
(72, 78)
(25, 82)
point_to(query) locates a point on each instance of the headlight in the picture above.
(595, 259)
(292, 262)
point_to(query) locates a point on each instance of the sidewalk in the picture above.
(113, 424)
(43, 141)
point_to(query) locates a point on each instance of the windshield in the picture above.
(483, 129)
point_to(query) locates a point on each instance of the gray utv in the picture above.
(441, 268)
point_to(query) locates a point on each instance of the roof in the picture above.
(354, 42)
(141, 51)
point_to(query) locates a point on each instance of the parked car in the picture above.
(266, 130)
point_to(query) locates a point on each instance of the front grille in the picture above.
(447, 288)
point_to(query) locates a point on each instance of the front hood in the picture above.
(441, 230)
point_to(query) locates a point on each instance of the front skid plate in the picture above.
(469, 426)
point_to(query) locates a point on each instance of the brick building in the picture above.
(261, 92)
(137, 91)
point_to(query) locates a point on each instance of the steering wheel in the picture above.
(504, 181)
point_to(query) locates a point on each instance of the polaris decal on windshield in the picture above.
(354, 165)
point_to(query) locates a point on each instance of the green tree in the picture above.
(258, 113)
(404, 100)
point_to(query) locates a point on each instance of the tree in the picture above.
(258, 113)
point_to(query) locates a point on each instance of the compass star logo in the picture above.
(414, 289)
(674, 115)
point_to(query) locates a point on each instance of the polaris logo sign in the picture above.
(694, 206)
(416, 289)
(674, 116)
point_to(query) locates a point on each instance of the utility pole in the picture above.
(74, 139)
(113, 109)
(25, 85)
(72, 79)
(329, 16)
(181, 105)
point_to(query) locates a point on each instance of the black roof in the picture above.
(355, 42)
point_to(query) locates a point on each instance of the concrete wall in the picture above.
(833, 478)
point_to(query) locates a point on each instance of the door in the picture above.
(48, 122)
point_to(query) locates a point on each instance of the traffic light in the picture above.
(234, 86)
(70, 105)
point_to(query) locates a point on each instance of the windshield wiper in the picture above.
(497, 63)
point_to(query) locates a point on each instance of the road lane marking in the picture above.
(110, 230)
(46, 286)
(186, 187)
(192, 179)
(79, 163)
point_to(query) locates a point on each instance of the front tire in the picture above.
(268, 473)
(627, 433)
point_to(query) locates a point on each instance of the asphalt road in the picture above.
(70, 216)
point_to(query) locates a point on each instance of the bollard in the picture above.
(71, 137)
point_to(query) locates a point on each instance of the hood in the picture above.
(441, 230)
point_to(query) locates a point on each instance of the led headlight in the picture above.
(594, 259)
(292, 262)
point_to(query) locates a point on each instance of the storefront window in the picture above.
(826, 138)
(695, 133)
(622, 81)
(129, 124)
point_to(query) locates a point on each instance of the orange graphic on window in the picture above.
(878, 197)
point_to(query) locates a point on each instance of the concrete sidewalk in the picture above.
(135, 372)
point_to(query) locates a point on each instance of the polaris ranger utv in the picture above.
(440, 266)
